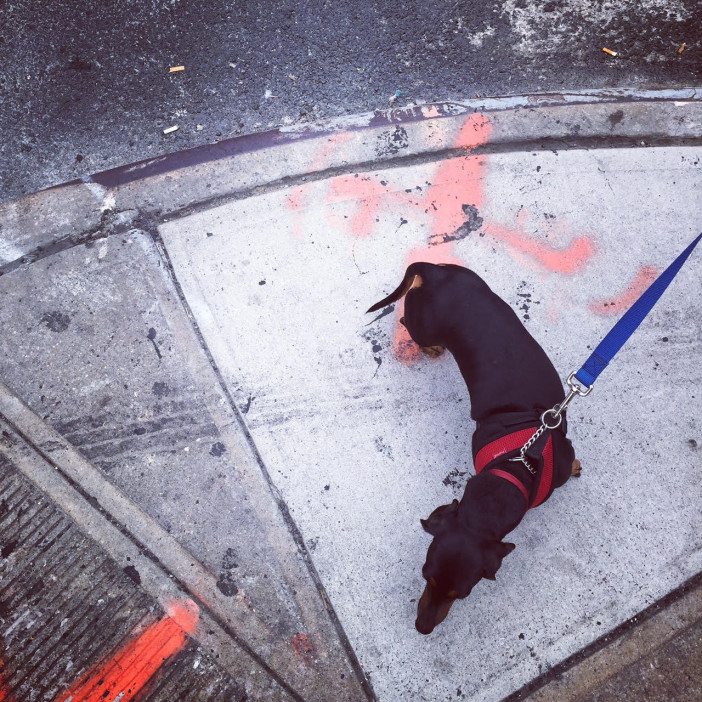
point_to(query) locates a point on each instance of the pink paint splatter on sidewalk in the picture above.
(620, 303)
(297, 199)
(566, 261)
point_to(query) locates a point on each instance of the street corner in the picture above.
(202, 360)
(362, 434)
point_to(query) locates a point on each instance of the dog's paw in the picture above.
(576, 469)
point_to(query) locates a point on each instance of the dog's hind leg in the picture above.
(576, 469)
(432, 351)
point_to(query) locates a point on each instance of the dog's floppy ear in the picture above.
(493, 557)
(439, 518)
(411, 280)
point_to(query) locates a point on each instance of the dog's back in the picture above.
(504, 367)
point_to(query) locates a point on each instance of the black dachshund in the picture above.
(511, 382)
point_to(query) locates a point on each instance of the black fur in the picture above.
(510, 379)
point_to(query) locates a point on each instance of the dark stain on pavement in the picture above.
(160, 389)
(376, 348)
(392, 141)
(225, 582)
(8, 548)
(218, 449)
(472, 224)
(132, 573)
(388, 310)
(615, 118)
(151, 336)
(455, 478)
(525, 301)
(56, 321)
(78, 63)
(382, 447)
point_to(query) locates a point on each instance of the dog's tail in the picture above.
(411, 280)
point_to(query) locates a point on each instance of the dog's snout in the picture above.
(432, 609)
(423, 627)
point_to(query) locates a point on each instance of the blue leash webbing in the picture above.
(628, 324)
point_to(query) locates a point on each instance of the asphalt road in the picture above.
(85, 87)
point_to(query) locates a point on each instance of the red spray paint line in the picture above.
(304, 648)
(5, 695)
(131, 668)
(615, 305)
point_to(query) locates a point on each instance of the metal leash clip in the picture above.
(576, 389)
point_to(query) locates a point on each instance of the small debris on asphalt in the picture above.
(292, 77)
(609, 51)
(681, 48)
(394, 96)
(232, 65)
(176, 69)
(199, 127)
(268, 95)
(168, 130)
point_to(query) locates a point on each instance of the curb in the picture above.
(635, 639)
(170, 186)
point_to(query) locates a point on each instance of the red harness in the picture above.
(513, 442)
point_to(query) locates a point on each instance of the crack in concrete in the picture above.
(148, 220)
(275, 492)
(13, 413)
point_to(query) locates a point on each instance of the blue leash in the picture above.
(629, 323)
(608, 348)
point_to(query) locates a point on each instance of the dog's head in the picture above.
(428, 303)
(456, 561)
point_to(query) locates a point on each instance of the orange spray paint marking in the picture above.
(297, 199)
(457, 181)
(131, 668)
(369, 193)
(567, 261)
(645, 276)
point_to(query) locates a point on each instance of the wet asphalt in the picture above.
(85, 87)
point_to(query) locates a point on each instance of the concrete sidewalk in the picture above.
(185, 344)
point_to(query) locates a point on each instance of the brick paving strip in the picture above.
(56, 582)
(75, 626)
